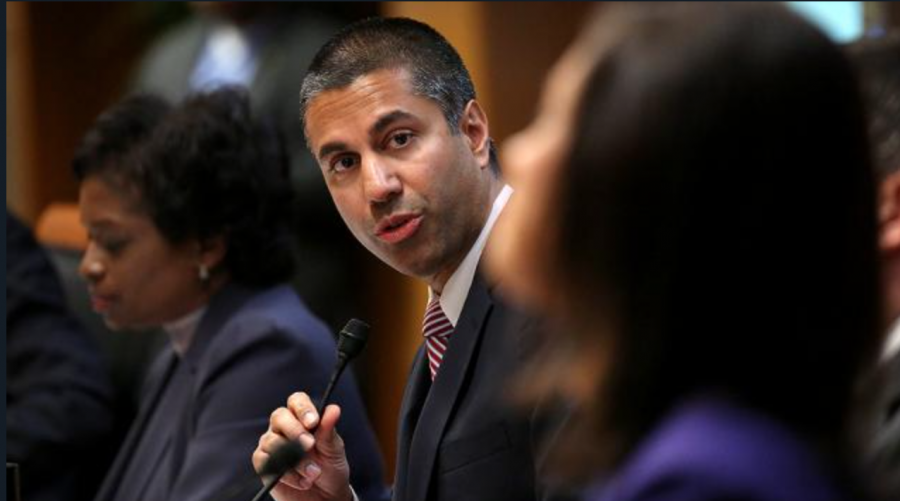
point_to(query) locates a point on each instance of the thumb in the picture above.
(328, 442)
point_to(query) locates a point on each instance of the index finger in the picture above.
(303, 408)
(284, 423)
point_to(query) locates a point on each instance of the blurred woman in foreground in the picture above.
(695, 209)
(188, 216)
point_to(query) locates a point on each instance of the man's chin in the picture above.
(416, 269)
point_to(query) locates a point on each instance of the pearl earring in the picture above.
(203, 273)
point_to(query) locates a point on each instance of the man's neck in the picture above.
(439, 279)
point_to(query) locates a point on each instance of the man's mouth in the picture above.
(397, 228)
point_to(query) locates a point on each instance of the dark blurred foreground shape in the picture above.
(878, 62)
(60, 419)
(707, 245)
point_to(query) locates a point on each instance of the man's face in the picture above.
(411, 192)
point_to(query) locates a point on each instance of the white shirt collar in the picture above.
(892, 343)
(181, 331)
(456, 290)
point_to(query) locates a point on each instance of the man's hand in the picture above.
(324, 473)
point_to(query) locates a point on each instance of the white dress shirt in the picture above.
(456, 290)
(181, 331)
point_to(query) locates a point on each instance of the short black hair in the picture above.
(436, 69)
(878, 62)
(204, 169)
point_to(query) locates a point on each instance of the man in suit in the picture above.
(878, 63)
(391, 116)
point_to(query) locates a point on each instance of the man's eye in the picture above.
(401, 139)
(343, 163)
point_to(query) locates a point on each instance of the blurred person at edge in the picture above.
(188, 218)
(60, 421)
(878, 63)
(696, 212)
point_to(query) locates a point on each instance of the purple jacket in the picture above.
(709, 449)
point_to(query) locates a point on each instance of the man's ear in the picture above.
(889, 213)
(474, 126)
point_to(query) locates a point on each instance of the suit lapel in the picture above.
(445, 390)
(221, 307)
(413, 399)
(156, 381)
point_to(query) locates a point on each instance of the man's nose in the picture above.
(381, 181)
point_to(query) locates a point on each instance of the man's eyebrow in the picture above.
(382, 123)
(329, 148)
(385, 121)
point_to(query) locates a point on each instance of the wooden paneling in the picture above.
(525, 39)
(20, 128)
(65, 63)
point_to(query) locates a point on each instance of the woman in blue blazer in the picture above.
(188, 213)
(695, 210)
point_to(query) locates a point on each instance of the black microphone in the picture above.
(280, 461)
(351, 341)
(283, 459)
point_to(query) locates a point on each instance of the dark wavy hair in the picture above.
(206, 168)
(717, 224)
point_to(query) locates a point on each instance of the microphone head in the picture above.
(283, 459)
(352, 339)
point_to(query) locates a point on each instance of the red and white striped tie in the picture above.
(437, 329)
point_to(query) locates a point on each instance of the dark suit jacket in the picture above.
(201, 416)
(458, 439)
(710, 449)
(59, 415)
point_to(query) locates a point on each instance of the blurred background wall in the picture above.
(67, 61)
